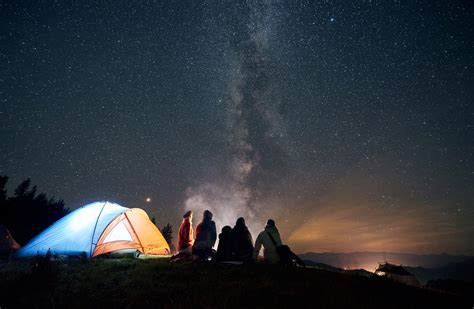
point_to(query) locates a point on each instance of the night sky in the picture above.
(349, 123)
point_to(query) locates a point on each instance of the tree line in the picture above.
(28, 212)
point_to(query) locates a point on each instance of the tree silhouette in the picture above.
(167, 232)
(27, 213)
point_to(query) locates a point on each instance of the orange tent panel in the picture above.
(132, 230)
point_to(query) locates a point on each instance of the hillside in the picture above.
(358, 272)
(142, 283)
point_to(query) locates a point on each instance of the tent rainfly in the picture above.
(98, 228)
(7, 243)
(396, 273)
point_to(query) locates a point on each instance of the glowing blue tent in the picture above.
(75, 234)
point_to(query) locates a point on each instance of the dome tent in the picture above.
(396, 273)
(79, 232)
(75, 233)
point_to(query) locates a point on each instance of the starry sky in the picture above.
(348, 122)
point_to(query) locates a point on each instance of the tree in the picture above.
(167, 232)
(27, 213)
(22, 189)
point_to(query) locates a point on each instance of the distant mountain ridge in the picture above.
(458, 271)
(370, 260)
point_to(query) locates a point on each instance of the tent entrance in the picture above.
(132, 230)
(119, 232)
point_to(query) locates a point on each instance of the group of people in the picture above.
(235, 244)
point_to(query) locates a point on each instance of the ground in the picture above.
(136, 283)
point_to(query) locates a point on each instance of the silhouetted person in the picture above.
(242, 243)
(185, 234)
(269, 238)
(205, 237)
(224, 249)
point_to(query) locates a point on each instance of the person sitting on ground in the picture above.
(205, 237)
(186, 234)
(242, 243)
(224, 249)
(264, 239)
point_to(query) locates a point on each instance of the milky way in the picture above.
(253, 124)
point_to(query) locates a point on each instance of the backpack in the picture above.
(287, 257)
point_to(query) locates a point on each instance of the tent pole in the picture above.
(95, 226)
(131, 225)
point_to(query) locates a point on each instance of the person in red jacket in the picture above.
(185, 234)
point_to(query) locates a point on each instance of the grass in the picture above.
(132, 283)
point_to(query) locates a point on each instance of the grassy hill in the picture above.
(135, 283)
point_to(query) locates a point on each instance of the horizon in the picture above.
(407, 253)
(161, 223)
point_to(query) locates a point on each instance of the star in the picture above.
(258, 110)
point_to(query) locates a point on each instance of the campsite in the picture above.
(104, 254)
(237, 154)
